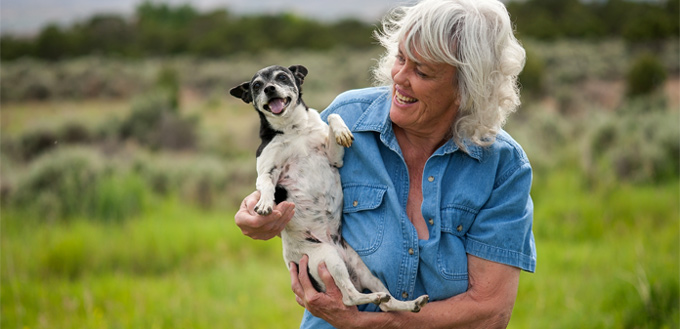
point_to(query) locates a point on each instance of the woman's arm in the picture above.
(488, 303)
(262, 227)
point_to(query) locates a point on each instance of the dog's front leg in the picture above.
(339, 136)
(267, 176)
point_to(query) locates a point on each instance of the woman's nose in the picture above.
(399, 75)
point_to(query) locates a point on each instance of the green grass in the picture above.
(607, 258)
(175, 267)
(627, 281)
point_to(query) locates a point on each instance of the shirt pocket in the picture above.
(452, 258)
(363, 217)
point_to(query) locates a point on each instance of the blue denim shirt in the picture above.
(475, 203)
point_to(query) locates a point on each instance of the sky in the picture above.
(29, 16)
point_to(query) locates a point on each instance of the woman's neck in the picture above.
(420, 145)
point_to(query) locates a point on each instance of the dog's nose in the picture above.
(269, 90)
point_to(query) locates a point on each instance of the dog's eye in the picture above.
(257, 85)
(282, 77)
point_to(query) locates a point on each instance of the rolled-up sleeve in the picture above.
(502, 230)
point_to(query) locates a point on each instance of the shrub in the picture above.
(82, 78)
(167, 80)
(39, 139)
(532, 76)
(155, 122)
(34, 142)
(542, 133)
(73, 182)
(645, 75)
(60, 183)
(633, 147)
(26, 79)
(204, 181)
(639, 143)
(79, 182)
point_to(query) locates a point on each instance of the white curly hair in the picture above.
(475, 36)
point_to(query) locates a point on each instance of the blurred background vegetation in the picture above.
(123, 161)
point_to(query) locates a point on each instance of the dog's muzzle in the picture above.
(277, 105)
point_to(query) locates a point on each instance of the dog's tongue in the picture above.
(277, 105)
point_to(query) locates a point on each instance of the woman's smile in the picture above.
(402, 99)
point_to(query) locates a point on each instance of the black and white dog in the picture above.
(297, 161)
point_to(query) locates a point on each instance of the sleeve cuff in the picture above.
(503, 256)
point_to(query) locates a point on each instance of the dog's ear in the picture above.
(300, 72)
(242, 91)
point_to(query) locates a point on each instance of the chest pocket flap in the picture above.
(457, 219)
(362, 197)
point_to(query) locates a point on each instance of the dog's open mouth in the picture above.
(277, 105)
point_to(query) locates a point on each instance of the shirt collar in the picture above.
(377, 118)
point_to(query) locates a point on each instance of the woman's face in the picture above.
(425, 96)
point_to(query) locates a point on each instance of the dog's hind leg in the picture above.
(340, 273)
(369, 281)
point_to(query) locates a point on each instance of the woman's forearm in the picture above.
(488, 303)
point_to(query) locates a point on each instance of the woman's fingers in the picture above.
(262, 227)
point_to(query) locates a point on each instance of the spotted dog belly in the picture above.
(314, 186)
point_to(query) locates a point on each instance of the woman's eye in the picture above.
(421, 74)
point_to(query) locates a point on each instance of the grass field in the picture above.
(606, 260)
(175, 267)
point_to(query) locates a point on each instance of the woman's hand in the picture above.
(263, 227)
(326, 305)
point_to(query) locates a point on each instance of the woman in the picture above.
(436, 193)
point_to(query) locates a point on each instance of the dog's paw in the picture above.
(381, 297)
(263, 208)
(344, 138)
(419, 303)
(264, 211)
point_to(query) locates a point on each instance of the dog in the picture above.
(298, 161)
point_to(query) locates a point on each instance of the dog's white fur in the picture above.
(303, 156)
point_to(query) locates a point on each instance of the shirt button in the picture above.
(355, 203)
(430, 179)
(410, 251)
(459, 228)
(404, 295)
(431, 221)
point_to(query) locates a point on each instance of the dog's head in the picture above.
(273, 89)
